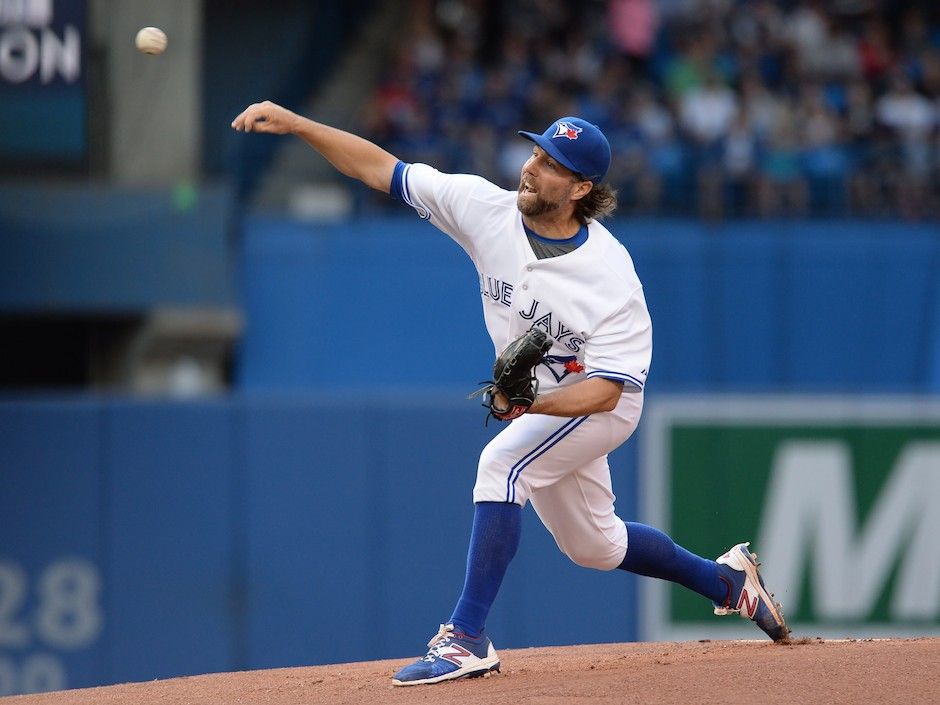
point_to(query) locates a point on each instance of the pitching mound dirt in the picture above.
(808, 670)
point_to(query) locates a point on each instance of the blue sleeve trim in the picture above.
(396, 188)
(617, 377)
(406, 196)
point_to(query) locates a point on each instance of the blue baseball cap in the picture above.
(577, 145)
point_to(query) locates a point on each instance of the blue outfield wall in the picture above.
(94, 249)
(150, 539)
(321, 513)
(795, 306)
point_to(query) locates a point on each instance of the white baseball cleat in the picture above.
(747, 596)
(452, 655)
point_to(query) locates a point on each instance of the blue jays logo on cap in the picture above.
(585, 150)
(564, 129)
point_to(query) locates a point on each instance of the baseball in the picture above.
(151, 40)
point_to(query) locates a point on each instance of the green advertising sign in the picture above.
(839, 497)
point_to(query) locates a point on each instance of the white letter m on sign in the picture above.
(811, 512)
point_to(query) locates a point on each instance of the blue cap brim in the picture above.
(546, 144)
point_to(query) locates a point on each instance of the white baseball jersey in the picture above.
(589, 301)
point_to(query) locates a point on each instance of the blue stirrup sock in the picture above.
(652, 553)
(497, 527)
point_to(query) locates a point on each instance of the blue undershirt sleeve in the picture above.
(395, 188)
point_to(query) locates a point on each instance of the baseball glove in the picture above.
(514, 376)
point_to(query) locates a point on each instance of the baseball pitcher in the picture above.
(573, 340)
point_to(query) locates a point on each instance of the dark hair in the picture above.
(599, 203)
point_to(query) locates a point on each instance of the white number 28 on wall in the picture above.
(67, 613)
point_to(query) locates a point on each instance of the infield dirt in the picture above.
(806, 671)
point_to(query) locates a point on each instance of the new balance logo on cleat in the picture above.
(739, 570)
(750, 608)
(457, 655)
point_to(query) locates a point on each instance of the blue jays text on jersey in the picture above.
(501, 292)
(555, 328)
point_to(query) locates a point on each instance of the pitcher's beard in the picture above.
(536, 207)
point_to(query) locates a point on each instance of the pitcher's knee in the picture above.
(590, 545)
(606, 556)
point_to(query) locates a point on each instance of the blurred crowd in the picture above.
(718, 108)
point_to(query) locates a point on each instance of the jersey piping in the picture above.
(540, 450)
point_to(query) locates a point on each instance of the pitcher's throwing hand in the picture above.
(266, 117)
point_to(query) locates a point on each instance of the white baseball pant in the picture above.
(561, 465)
